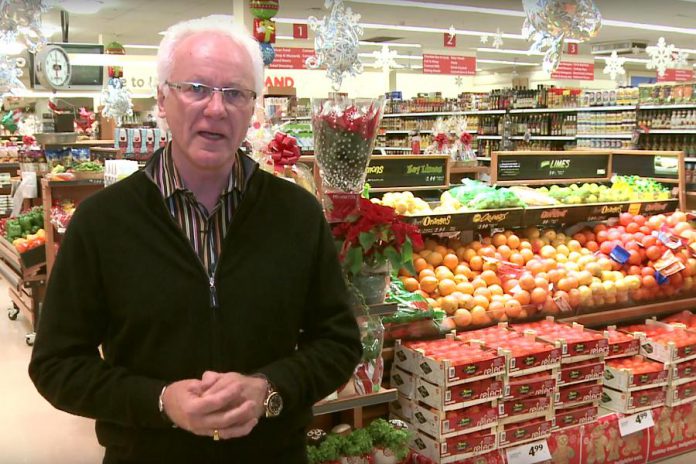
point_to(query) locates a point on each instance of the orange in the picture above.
(467, 302)
(462, 318)
(451, 261)
(425, 253)
(411, 284)
(465, 287)
(469, 254)
(541, 283)
(504, 251)
(554, 276)
(476, 245)
(459, 278)
(513, 309)
(509, 284)
(527, 282)
(446, 287)
(441, 249)
(499, 240)
(434, 258)
(535, 266)
(538, 295)
(513, 241)
(483, 291)
(425, 273)
(420, 264)
(459, 296)
(405, 272)
(495, 289)
(496, 310)
(461, 269)
(479, 283)
(517, 258)
(523, 297)
(490, 277)
(449, 304)
(430, 244)
(487, 251)
(479, 316)
(480, 300)
(476, 263)
(428, 284)
(527, 254)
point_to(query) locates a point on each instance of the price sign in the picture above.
(407, 171)
(519, 167)
(529, 453)
(631, 424)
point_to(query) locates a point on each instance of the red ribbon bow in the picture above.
(28, 141)
(441, 140)
(284, 150)
(466, 139)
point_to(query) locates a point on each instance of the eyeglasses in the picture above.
(195, 92)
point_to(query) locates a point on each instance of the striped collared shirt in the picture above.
(205, 230)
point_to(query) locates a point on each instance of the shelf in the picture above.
(76, 183)
(328, 407)
(669, 131)
(634, 312)
(306, 159)
(408, 131)
(404, 189)
(605, 136)
(543, 110)
(394, 148)
(544, 137)
(483, 158)
(685, 106)
(607, 108)
(489, 137)
(469, 169)
(446, 113)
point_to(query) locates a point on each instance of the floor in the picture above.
(32, 431)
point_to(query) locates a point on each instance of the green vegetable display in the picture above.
(24, 224)
(89, 166)
(329, 450)
(384, 435)
(475, 195)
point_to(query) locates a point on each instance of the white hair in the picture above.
(218, 24)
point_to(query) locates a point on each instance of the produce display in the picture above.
(26, 230)
(61, 213)
(637, 365)
(514, 275)
(623, 188)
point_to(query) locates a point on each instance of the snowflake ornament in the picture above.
(680, 59)
(661, 56)
(498, 39)
(458, 81)
(614, 66)
(117, 100)
(384, 58)
(484, 39)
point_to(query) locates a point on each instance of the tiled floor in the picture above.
(32, 431)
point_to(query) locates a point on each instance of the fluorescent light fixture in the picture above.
(403, 57)
(513, 63)
(654, 27)
(627, 60)
(284, 37)
(390, 44)
(96, 59)
(509, 51)
(145, 47)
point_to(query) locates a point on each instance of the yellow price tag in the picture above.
(634, 208)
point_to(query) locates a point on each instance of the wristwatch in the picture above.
(273, 403)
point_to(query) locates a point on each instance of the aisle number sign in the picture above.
(449, 64)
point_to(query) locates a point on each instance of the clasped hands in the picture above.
(224, 404)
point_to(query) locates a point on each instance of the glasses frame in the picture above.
(250, 95)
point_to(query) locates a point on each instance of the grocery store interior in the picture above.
(536, 278)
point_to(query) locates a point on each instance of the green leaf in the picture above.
(354, 260)
(393, 256)
(407, 256)
(367, 239)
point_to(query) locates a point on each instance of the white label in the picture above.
(636, 422)
(530, 453)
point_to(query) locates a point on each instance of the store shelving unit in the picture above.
(356, 404)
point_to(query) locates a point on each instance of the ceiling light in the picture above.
(627, 60)
(404, 57)
(509, 51)
(80, 6)
(513, 63)
(391, 44)
(284, 37)
(147, 47)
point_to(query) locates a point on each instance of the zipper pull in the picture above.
(213, 294)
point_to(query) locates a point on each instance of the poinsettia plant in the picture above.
(374, 235)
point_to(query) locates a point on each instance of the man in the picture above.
(212, 287)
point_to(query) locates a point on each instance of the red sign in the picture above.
(572, 49)
(449, 41)
(279, 82)
(574, 71)
(291, 58)
(446, 64)
(264, 30)
(299, 31)
(677, 75)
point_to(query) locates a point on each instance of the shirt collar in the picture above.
(168, 179)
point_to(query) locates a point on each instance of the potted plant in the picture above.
(390, 443)
(372, 238)
(328, 451)
(357, 448)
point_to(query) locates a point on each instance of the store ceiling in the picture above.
(139, 22)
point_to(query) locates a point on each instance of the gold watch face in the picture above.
(274, 405)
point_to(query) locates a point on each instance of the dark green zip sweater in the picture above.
(126, 278)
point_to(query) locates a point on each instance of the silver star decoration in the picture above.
(452, 32)
(484, 39)
(10, 74)
(661, 56)
(614, 66)
(680, 59)
(458, 81)
(498, 39)
(384, 58)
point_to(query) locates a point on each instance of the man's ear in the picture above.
(160, 102)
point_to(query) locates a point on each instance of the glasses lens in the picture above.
(196, 91)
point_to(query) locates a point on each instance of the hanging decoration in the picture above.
(680, 59)
(484, 39)
(452, 32)
(661, 56)
(459, 82)
(497, 39)
(336, 43)
(614, 66)
(20, 22)
(10, 120)
(117, 100)
(384, 58)
(10, 74)
(85, 122)
(550, 22)
(264, 28)
(115, 48)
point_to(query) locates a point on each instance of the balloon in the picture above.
(550, 22)
(267, 52)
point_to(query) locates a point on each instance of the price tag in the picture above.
(529, 453)
(636, 422)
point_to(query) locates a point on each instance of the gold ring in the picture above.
(216, 435)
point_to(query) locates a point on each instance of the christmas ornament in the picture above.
(614, 66)
(117, 100)
(550, 22)
(10, 73)
(452, 32)
(497, 39)
(680, 60)
(20, 22)
(661, 57)
(267, 52)
(10, 120)
(384, 58)
(115, 48)
(484, 39)
(263, 9)
(264, 30)
(336, 43)
(458, 81)
(84, 121)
